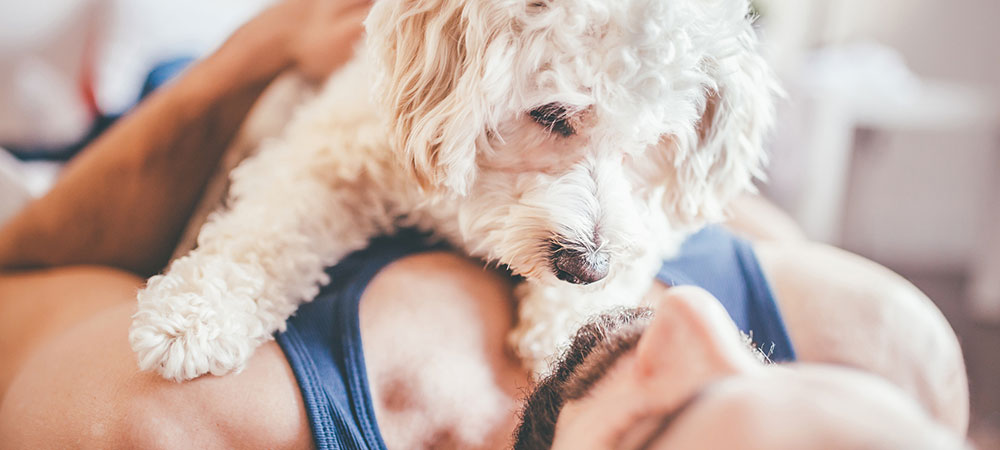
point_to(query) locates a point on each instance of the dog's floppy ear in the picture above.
(431, 59)
(723, 156)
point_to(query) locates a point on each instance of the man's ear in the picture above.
(727, 152)
(431, 58)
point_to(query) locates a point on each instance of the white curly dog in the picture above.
(577, 142)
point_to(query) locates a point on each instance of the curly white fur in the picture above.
(667, 102)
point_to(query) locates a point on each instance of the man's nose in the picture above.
(579, 267)
(706, 342)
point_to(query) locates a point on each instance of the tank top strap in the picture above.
(322, 343)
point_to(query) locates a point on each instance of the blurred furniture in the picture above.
(46, 51)
(851, 99)
(841, 101)
(984, 286)
(946, 127)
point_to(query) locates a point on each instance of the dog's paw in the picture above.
(182, 336)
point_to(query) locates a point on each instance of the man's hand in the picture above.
(311, 36)
(327, 35)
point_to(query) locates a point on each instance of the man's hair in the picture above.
(594, 350)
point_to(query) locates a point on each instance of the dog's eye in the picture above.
(555, 118)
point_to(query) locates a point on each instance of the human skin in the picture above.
(124, 201)
(691, 383)
(434, 303)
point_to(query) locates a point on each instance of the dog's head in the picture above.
(567, 128)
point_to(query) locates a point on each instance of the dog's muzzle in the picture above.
(574, 266)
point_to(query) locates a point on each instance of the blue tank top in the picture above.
(323, 340)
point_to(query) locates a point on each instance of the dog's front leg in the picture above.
(254, 264)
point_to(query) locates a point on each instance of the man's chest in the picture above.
(438, 367)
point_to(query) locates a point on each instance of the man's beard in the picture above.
(595, 349)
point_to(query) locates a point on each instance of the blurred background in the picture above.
(889, 146)
(888, 143)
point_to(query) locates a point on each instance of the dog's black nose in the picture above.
(577, 267)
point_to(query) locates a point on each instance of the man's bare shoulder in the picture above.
(841, 308)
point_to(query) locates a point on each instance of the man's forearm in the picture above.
(124, 201)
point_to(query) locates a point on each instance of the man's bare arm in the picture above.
(843, 309)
